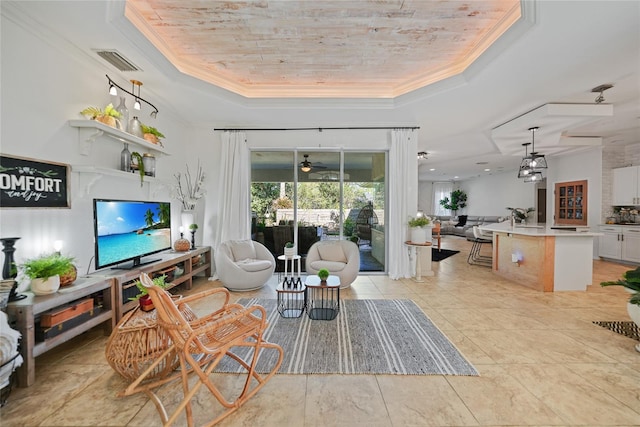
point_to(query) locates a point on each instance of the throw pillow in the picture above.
(332, 252)
(462, 220)
(243, 249)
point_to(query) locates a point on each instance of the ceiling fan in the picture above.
(307, 166)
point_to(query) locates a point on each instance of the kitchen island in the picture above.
(544, 258)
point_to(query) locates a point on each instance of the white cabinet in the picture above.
(609, 244)
(626, 186)
(620, 243)
(631, 244)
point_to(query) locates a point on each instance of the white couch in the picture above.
(244, 265)
(340, 257)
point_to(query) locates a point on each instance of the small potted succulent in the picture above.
(109, 116)
(45, 271)
(151, 134)
(289, 250)
(193, 228)
(323, 274)
(143, 297)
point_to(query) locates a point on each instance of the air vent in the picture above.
(117, 60)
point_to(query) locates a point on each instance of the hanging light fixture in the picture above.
(534, 177)
(138, 99)
(525, 168)
(538, 161)
(422, 155)
(134, 83)
(534, 161)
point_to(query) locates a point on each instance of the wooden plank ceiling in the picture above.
(373, 49)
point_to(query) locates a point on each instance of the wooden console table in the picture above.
(24, 313)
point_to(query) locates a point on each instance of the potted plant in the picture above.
(289, 250)
(520, 214)
(458, 201)
(143, 297)
(323, 274)
(420, 229)
(109, 116)
(151, 134)
(631, 282)
(45, 270)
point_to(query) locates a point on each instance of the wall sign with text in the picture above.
(28, 183)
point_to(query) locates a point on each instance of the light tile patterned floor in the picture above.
(541, 362)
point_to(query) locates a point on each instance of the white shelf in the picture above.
(101, 129)
(112, 172)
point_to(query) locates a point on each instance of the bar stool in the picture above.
(480, 238)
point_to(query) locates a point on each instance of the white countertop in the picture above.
(538, 230)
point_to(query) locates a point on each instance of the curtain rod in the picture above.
(320, 129)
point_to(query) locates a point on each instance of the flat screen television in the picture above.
(125, 231)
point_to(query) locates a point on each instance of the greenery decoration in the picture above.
(193, 227)
(158, 281)
(630, 280)
(420, 221)
(138, 157)
(323, 274)
(458, 201)
(521, 213)
(151, 130)
(288, 245)
(94, 113)
(47, 265)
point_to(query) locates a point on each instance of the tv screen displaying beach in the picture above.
(127, 229)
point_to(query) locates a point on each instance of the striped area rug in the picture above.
(367, 337)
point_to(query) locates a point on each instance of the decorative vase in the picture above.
(421, 235)
(124, 114)
(149, 162)
(135, 127)
(187, 218)
(125, 159)
(46, 286)
(289, 252)
(181, 245)
(69, 277)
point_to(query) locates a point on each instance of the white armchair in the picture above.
(244, 265)
(340, 257)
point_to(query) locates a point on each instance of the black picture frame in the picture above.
(30, 183)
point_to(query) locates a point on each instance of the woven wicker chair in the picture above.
(201, 344)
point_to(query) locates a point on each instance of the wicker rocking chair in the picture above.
(201, 344)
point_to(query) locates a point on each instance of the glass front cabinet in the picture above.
(571, 203)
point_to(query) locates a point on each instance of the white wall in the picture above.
(486, 195)
(44, 84)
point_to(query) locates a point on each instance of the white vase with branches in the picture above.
(188, 192)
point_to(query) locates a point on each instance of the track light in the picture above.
(422, 155)
(138, 99)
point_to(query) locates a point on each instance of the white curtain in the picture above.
(234, 220)
(403, 175)
(440, 191)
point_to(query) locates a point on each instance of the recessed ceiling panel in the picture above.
(360, 49)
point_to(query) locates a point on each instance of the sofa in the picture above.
(462, 225)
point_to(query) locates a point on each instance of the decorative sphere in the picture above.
(181, 245)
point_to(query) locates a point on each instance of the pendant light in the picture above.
(525, 168)
(538, 160)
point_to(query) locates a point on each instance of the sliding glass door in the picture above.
(304, 197)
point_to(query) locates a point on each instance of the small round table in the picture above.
(292, 298)
(323, 299)
(418, 250)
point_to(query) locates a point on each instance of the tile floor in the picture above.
(541, 362)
